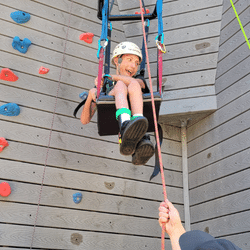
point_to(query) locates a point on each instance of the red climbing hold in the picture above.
(5, 189)
(147, 12)
(43, 70)
(3, 143)
(87, 37)
(8, 75)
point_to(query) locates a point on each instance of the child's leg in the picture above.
(135, 98)
(131, 132)
(120, 92)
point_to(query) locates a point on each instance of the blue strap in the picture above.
(143, 46)
(104, 35)
(160, 23)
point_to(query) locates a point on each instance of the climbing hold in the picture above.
(43, 70)
(5, 189)
(83, 95)
(20, 16)
(8, 75)
(10, 109)
(77, 197)
(21, 46)
(3, 143)
(147, 12)
(87, 37)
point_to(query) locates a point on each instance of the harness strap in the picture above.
(159, 72)
(80, 105)
(101, 55)
(157, 161)
(142, 67)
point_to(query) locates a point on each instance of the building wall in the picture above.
(119, 209)
(218, 146)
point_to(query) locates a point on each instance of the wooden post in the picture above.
(185, 174)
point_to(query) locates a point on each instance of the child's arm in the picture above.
(127, 80)
(89, 108)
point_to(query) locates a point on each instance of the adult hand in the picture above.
(170, 218)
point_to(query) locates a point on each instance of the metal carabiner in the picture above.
(105, 43)
(160, 44)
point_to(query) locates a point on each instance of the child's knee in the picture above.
(134, 86)
(121, 87)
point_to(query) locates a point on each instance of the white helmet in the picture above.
(126, 48)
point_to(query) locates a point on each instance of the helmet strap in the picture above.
(119, 64)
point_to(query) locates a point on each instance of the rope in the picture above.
(51, 129)
(155, 123)
(241, 26)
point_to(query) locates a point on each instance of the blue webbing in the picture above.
(159, 15)
(104, 35)
(143, 47)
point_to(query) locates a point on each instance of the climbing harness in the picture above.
(106, 121)
(51, 129)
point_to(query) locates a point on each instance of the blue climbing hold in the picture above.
(20, 16)
(10, 109)
(77, 197)
(21, 46)
(83, 95)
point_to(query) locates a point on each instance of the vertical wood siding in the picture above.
(219, 145)
(119, 209)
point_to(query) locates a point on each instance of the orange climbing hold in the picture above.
(7, 75)
(3, 143)
(43, 70)
(5, 189)
(147, 12)
(87, 37)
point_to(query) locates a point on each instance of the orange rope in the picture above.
(155, 123)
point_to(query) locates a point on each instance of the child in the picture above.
(133, 141)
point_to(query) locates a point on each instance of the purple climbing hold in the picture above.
(10, 109)
(20, 16)
(77, 197)
(21, 46)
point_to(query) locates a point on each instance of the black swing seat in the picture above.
(106, 110)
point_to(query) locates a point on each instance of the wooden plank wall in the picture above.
(191, 30)
(119, 209)
(218, 146)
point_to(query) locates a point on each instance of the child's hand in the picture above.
(92, 93)
(96, 81)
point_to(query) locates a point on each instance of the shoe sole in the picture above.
(132, 135)
(143, 153)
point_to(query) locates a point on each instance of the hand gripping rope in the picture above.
(159, 5)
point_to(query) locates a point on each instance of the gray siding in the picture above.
(218, 146)
(119, 209)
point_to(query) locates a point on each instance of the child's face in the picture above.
(129, 65)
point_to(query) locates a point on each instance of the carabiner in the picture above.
(105, 43)
(160, 44)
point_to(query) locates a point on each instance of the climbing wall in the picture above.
(192, 30)
(92, 197)
(218, 147)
